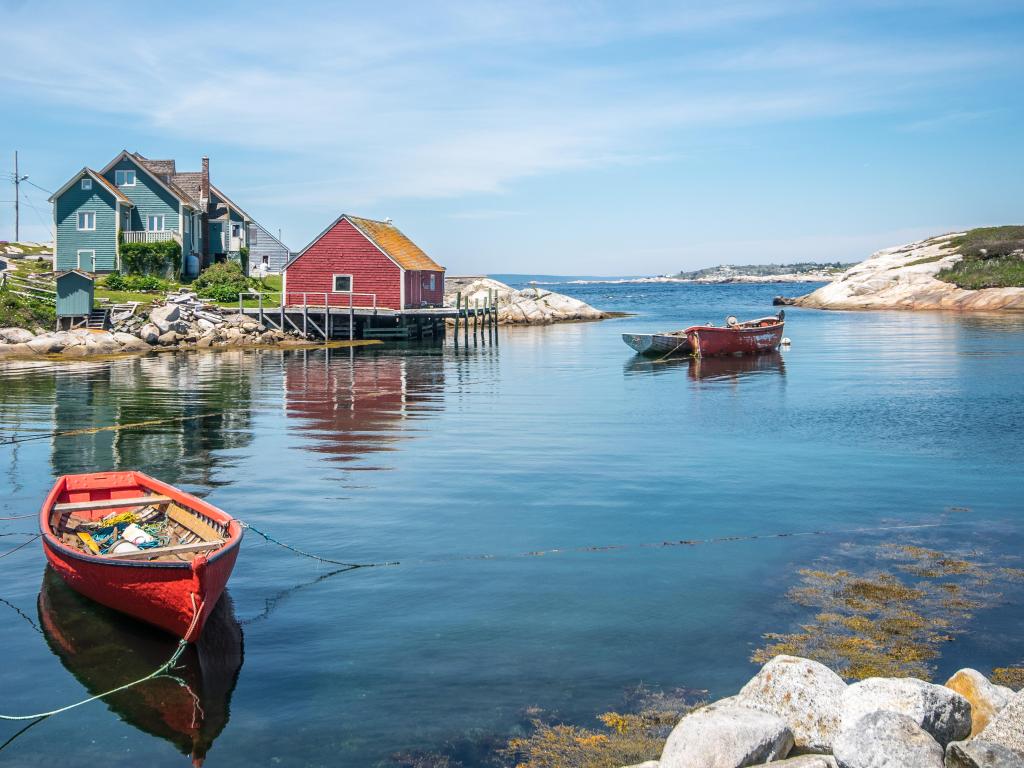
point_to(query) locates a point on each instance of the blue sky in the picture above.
(574, 138)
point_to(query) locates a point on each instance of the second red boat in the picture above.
(735, 338)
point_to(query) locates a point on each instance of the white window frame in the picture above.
(78, 222)
(122, 173)
(78, 256)
(334, 283)
(163, 222)
(86, 184)
(432, 286)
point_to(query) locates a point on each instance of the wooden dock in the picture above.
(321, 320)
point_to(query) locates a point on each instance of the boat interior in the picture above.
(145, 526)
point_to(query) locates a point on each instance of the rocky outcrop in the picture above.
(15, 335)
(805, 694)
(1007, 728)
(531, 306)
(724, 735)
(981, 754)
(885, 739)
(941, 712)
(904, 278)
(986, 699)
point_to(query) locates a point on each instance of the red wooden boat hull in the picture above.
(175, 596)
(710, 341)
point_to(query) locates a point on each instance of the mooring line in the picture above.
(15, 438)
(19, 517)
(23, 544)
(349, 566)
(21, 613)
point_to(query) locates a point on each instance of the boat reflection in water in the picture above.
(711, 368)
(189, 706)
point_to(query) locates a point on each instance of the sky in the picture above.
(580, 138)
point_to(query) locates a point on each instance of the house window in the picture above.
(343, 283)
(266, 260)
(432, 284)
(86, 221)
(236, 230)
(86, 260)
(86, 183)
(155, 223)
(124, 178)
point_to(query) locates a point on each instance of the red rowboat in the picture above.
(750, 337)
(175, 583)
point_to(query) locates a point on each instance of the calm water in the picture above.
(555, 438)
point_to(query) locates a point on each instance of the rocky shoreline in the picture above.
(904, 278)
(530, 306)
(798, 713)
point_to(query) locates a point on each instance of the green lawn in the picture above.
(993, 257)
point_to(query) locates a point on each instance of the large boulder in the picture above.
(1007, 728)
(724, 735)
(15, 336)
(130, 343)
(162, 317)
(986, 699)
(47, 343)
(939, 711)
(979, 753)
(886, 739)
(169, 339)
(149, 333)
(101, 343)
(804, 693)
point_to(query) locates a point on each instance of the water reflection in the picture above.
(203, 402)
(711, 368)
(356, 404)
(104, 649)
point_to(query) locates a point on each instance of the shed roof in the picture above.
(395, 244)
(80, 273)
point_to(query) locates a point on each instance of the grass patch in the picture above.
(624, 738)
(18, 312)
(891, 621)
(993, 257)
(925, 260)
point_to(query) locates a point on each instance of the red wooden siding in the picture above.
(344, 250)
(417, 288)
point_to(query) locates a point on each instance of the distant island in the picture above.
(800, 272)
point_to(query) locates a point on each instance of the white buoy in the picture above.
(785, 341)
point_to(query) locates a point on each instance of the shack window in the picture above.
(124, 178)
(432, 284)
(343, 283)
(86, 183)
(86, 221)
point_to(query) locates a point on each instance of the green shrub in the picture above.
(19, 312)
(993, 257)
(119, 282)
(162, 259)
(221, 282)
(243, 257)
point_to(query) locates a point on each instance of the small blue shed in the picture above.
(74, 298)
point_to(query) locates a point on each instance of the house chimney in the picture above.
(204, 184)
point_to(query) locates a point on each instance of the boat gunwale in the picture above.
(234, 531)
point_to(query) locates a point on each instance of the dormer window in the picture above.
(86, 183)
(124, 178)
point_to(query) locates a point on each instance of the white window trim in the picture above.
(334, 282)
(86, 183)
(163, 222)
(78, 256)
(78, 221)
(124, 175)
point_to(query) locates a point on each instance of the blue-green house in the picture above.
(135, 199)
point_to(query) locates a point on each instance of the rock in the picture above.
(236, 319)
(985, 698)
(15, 335)
(15, 350)
(647, 764)
(726, 736)
(46, 344)
(169, 338)
(941, 712)
(884, 739)
(130, 343)
(149, 333)
(807, 761)
(205, 342)
(1007, 728)
(804, 693)
(979, 753)
(162, 317)
(101, 343)
(904, 278)
(205, 325)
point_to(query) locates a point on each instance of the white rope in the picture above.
(182, 645)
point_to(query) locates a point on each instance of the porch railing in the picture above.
(144, 236)
(325, 299)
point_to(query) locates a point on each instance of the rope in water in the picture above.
(272, 540)
(20, 517)
(111, 428)
(23, 544)
(182, 645)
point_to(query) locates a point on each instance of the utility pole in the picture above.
(17, 184)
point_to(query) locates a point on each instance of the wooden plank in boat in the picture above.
(177, 549)
(192, 523)
(135, 501)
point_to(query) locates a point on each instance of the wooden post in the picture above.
(476, 315)
(458, 303)
(261, 308)
(328, 331)
(351, 319)
(305, 321)
(465, 326)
